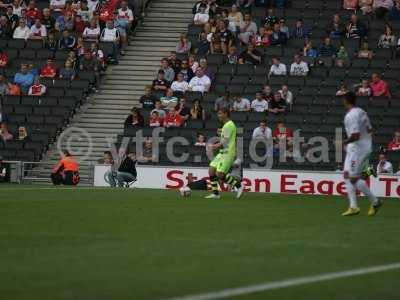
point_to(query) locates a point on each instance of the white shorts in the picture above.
(356, 161)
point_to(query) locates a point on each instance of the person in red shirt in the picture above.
(173, 119)
(3, 59)
(37, 89)
(49, 70)
(156, 120)
(283, 137)
(394, 145)
(32, 12)
(66, 171)
(79, 24)
(379, 87)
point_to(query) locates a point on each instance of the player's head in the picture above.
(350, 100)
(223, 114)
(65, 153)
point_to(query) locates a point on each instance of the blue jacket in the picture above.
(24, 80)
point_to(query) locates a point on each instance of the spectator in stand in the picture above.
(283, 27)
(184, 45)
(200, 83)
(286, 94)
(203, 46)
(382, 7)
(232, 58)
(394, 144)
(174, 62)
(262, 132)
(378, 86)
(79, 25)
(67, 73)
(11, 18)
(49, 70)
(201, 17)
(277, 68)
(83, 11)
(92, 32)
(22, 134)
(277, 105)
(259, 104)
(309, 50)
(5, 28)
(18, 8)
(33, 70)
(3, 88)
(182, 109)
(186, 71)
(208, 71)
(283, 136)
(268, 94)
(98, 55)
(270, 19)
(240, 104)
(92, 5)
(343, 90)
(158, 108)
(299, 67)
(38, 31)
(197, 112)
(277, 36)
(250, 56)
(327, 49)
(223, 102)
(112, 35)
(89, 64)
(147, 155)
(173, 119)
(169, 73)
(216, 46)
(169, 100)
(73, 59)
(224, 37)
(57, 5)
(47, 20)
(261, 39)
(23, 78)
(37, 89)
(22, 31)
(336, 29)
(180, 85)
(125, 20)
(235, 16)
(388, 39)
(200, 140)
(148, 99)
(247, 29)
(155, 119)
(3, 59)
(67, 42)
(160, 84)
(364, 51)
(65, 22)
(355, 29)
(51, 43)
(135, 119)
(365, 6)
(342, 57)
(384, 166)
(5, 135)
(394, 13)
(350, 4)
(363, 89)
(300, 31)
(193, 63)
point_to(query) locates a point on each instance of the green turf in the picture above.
(95, 244)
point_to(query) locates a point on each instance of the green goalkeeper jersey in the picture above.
(228, 138)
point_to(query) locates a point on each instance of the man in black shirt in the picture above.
(277, 105)
(5, 28)
(127, 174)
(182, 108)
(148, 99)
(160, 84)
(47, 20)
(11, 17)
(250, 56)
(225, 36)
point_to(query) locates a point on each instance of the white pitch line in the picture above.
(245, 290)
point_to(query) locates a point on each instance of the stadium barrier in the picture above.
(261, 181)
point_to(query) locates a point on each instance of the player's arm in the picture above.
(353, 138)
(354, 130)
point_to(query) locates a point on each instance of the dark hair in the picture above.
(350, 98)
(66, 153)
(107, 153)
(224, 110)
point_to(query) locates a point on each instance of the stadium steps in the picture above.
(123, 84)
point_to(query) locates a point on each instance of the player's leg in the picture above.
(362, 186)
(350, 178)
(212, 172)
(223, 173)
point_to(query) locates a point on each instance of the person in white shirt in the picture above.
(358, 149)
(384, 166)
(286, 94)
(37, 89)
(277, 68)
(57, 5)
(22, 31)
(241, 104)
(201, 17)
(263, 132)
(180, 85)
(124, 20)
(200, 83)
(92, 5)
(111, 34)
(92, 32)
(38, 31)
(259, 104)
(298, 67)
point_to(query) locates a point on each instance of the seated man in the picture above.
(24, 79)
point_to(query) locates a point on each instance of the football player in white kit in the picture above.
(358, 149)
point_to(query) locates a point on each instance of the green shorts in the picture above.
(223, 162)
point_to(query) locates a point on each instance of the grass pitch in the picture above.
(95, 244)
